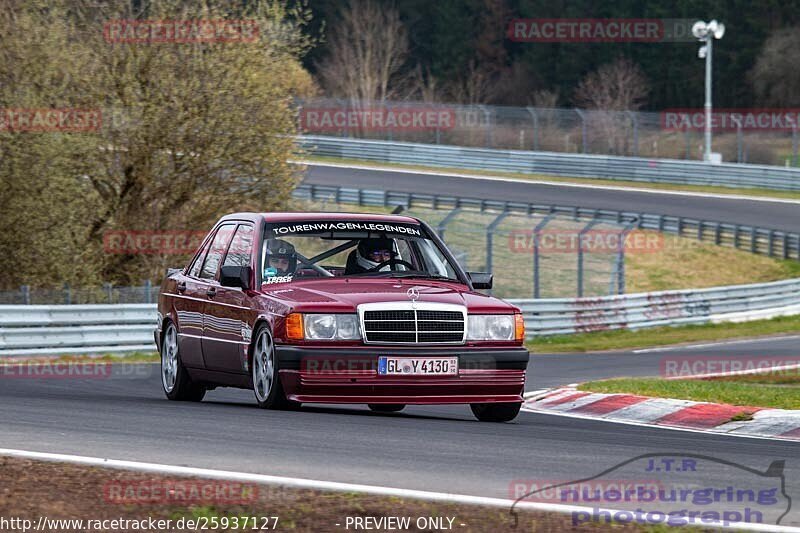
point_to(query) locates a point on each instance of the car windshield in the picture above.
(353, 248)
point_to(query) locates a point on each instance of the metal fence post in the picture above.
(620, 266)
(635, 122)
(67, 294)
(490, 239)
(26, 294)
(581, 233)
(148, 298)
(583, 129)
(486, 117)
(688, 144)
(535, 117)
(109, 292)
(446, 220)
(794, 143)
(536, 279)
(739, 138)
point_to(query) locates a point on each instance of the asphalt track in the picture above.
(773, 215)
(443, 449)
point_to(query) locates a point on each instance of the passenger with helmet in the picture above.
(369, 254)
(280, 259)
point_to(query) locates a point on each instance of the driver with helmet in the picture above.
(371, 253)
(280, 259)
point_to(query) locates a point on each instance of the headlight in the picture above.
(331, 327)
(490, 328)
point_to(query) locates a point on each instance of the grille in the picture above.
(413, 326)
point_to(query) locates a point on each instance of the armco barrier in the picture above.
(664, 308)
(557, 164)
(57, 329)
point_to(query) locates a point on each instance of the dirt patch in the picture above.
(31, 490)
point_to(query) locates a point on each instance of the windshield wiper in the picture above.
(417, 274)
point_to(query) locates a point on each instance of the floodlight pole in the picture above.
(706, 32)
(709, 41)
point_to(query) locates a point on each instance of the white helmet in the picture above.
(372, 252)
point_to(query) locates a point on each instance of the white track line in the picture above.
(549, 183)
(346, 487)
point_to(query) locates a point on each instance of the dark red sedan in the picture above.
(338, 308)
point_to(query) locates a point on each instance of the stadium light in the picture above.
(706, 32)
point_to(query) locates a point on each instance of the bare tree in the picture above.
(474, 87)
(545, 98)
(368, 46)
(776, 75)
(618, 86)
(610, 92)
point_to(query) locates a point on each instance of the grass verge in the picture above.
(733, 390)
(662, 336)
(766, 193)
(134, 357)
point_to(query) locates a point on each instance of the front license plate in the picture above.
(417, 366)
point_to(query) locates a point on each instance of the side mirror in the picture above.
(235, 276)
(480, 280)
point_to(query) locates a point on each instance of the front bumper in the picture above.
(349, 375)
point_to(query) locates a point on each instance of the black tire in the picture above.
(268, 395)
(495, 412)
(386, 407)
(178, 387)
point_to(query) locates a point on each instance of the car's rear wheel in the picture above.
(175, 379)
(386, 407)
(266, 382)
(495, 412)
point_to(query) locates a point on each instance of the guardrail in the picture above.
(664, 308)
(27, 330)
(59, 329)
(765, 241)
(558, 164)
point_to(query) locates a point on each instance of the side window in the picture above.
(241, 247)
(218, 246)
(404, 253)
(198, 262)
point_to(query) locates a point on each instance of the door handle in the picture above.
(181, 286)
(211, 292)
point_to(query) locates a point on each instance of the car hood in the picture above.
(344, 295)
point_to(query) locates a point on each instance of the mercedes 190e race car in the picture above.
(338, 308)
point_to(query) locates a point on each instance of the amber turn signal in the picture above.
(519, 327)
(294, 326)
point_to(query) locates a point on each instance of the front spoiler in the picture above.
(349, 375)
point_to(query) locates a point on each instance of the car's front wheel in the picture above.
(386, 407)
(495, 412)
(175, 379)
(266, 382)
